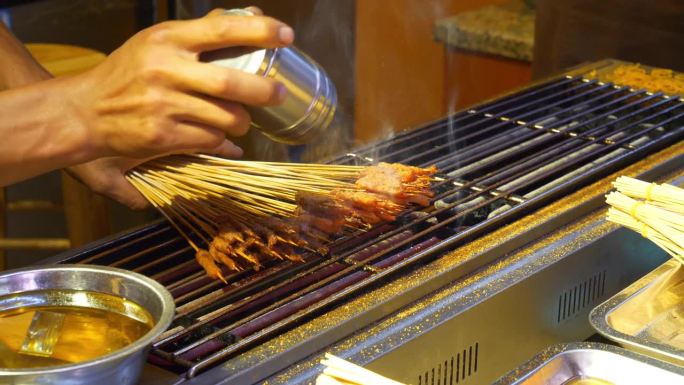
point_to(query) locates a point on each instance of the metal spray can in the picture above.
(310, 105)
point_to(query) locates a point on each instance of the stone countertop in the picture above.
(503, 30)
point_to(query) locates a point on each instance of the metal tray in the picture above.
(592, 363)
(647, 316)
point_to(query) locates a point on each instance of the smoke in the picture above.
(326, 30)
(408, 66)
(327, 35)
(451, 97)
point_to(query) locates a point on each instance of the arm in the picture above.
(149, 98)
(25, 152)
(39, 133)
(17, 66)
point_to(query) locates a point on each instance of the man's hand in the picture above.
(106, 176)
(147, 105)
(153, 96)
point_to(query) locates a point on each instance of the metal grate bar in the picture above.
(486, 128)
(451, 132)
(292, 275)
(308, 283)
(409, 136)
(582, 89)
(326, 301)
(563, 149)
(113, 252)
(530, 94)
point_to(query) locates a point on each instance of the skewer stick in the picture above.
(624, 219)
(150, 196)
(243, 210)
(657, 212)
(668, 223)
(346, 372)
(667, 195)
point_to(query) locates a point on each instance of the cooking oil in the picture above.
(57, 327)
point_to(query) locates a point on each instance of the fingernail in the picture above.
(254, 10)
(236, 151)
(286, 35)
(282, 93)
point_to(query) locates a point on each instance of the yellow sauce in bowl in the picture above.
(83, 325)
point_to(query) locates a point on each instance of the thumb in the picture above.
(124, 192)
(226, 149)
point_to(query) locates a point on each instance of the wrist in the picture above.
(41, 133)
(21, 76)
(78, 104)
(62, 116)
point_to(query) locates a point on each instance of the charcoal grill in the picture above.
(509, 261)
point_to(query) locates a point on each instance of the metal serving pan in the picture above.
(592, 363)
(647, 316)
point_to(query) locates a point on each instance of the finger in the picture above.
(125, 164)
(227, 149)
(215, 12)
(106, 176)
(193, 137)
(210, 33)
(124, 192)
(229, 84)
(229, 117)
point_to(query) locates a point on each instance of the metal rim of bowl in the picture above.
(168, 310)
(529, 368)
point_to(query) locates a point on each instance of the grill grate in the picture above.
(498, 161)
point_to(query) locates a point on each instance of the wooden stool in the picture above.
(85, 213)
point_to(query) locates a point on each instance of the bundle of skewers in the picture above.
(238, 214)
(341, 372)
(654, 210)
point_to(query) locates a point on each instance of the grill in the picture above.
(499, 162)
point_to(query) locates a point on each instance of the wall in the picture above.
(400, 69)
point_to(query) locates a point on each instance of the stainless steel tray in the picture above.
(592, 363)
(647, 316)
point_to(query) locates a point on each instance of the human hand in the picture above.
(153, 96)
(106, 176)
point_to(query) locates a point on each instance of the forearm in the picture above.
(41, 130)
(17, 66)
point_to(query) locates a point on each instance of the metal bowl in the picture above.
(595, 363)
(119, 367)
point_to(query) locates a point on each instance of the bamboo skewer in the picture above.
(244, 210)
(624, 219)
(338, 371)
(664, 195)
(653, 210)
(190, 191)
